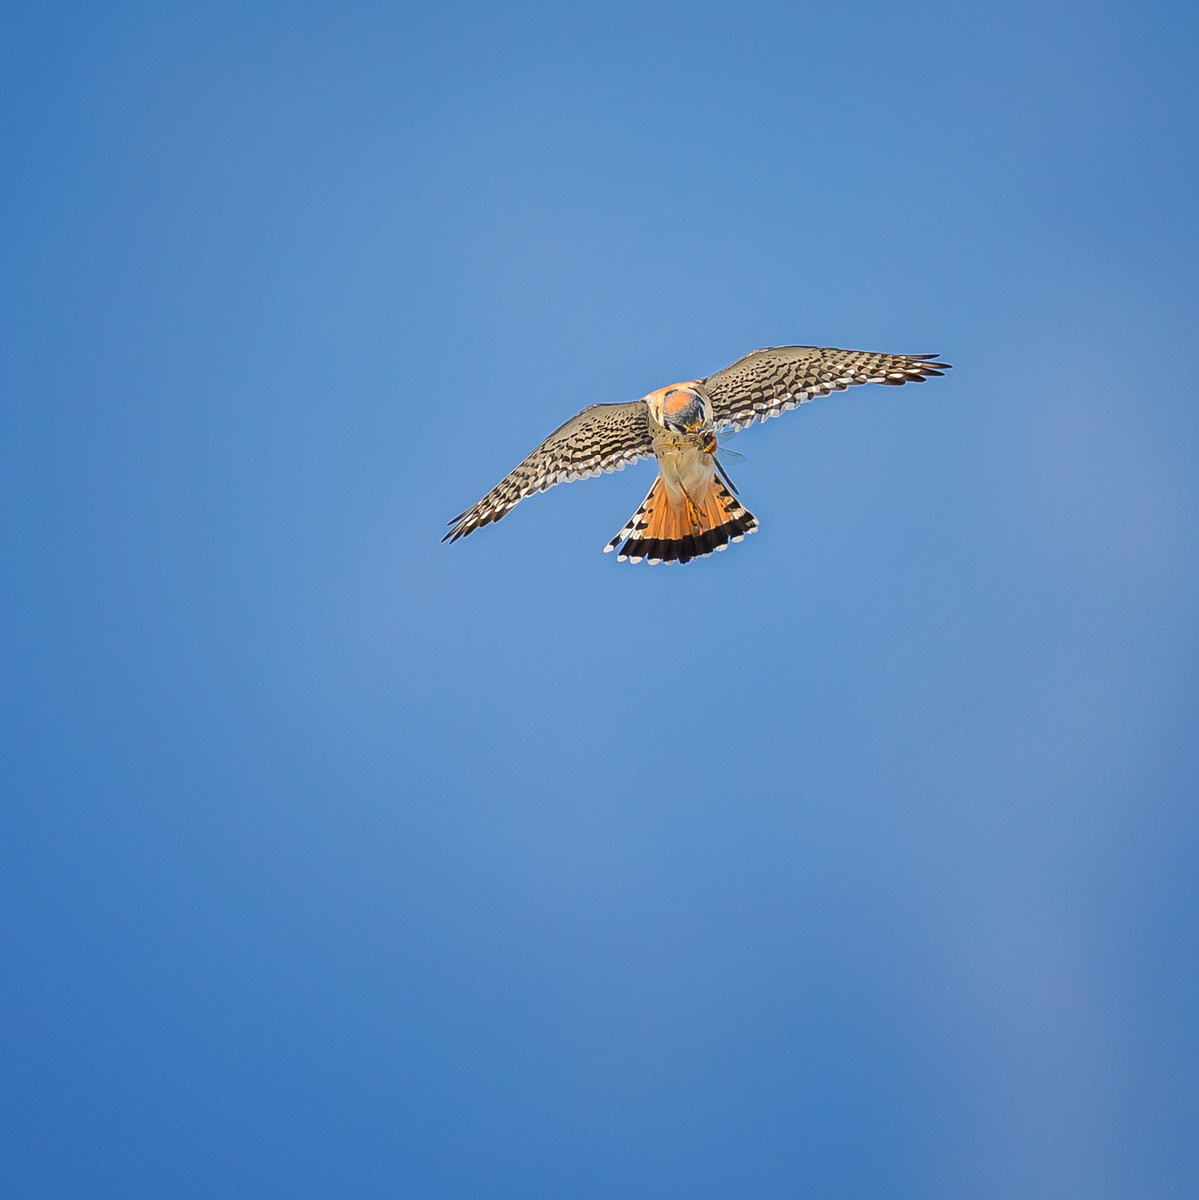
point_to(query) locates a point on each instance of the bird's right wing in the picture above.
(768, 383)
(603, 437)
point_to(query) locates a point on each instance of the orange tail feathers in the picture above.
(658, 533)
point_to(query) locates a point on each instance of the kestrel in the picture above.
(692, 509)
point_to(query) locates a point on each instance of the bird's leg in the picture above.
(694, 516)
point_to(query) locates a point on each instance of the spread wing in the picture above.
(770, 382)
(603, 437)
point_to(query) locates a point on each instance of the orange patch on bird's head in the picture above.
(679, 407)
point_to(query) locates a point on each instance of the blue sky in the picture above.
(857, 861)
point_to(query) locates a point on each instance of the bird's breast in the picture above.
(685, 464)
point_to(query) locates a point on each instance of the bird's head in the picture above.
(681, 408)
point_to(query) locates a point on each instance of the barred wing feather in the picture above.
(603, 437)
(773, 381)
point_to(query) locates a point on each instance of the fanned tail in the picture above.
(658, 533)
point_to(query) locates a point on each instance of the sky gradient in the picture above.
(857, 861)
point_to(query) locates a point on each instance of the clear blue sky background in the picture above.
(856, 862)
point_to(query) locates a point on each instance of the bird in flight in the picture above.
(692, 508)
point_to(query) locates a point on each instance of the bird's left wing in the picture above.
(770, 382)
(603, 437)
